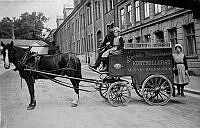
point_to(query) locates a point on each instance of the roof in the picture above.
(19, 42)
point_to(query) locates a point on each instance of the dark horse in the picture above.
(62, 64)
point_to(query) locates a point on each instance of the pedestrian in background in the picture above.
(180, 69)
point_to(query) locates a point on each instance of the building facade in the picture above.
(155, 23)
(84, 29)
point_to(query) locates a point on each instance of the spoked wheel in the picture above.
(103, 89)
(138, 90)
(118, 94)
(157, 90)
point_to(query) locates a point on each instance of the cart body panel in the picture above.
(142, 62)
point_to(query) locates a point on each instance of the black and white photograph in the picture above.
(100, 63)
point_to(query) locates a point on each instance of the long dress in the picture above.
(117, 44)
(180, 63)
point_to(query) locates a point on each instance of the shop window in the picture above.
(147, 38)
(159, 36)
(138, 39)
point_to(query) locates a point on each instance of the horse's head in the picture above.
(8, 54)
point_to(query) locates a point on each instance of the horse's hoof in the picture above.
(74, 105)
(30, 107)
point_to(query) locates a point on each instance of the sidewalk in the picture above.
(193, 87)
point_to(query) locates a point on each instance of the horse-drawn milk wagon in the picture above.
(150, 68)
(148, 65)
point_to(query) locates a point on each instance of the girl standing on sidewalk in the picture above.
(180, 69)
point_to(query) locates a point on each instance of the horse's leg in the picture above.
(75, 84)
(30, 83)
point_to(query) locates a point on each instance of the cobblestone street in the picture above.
(53, 108)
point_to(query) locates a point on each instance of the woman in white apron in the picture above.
(180, 69)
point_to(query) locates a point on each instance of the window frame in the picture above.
(137, 11)
(122, 18)
(146, 10)
(190, 36)
(157, 8)
(129, 18)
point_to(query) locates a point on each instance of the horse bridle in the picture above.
(21, 62)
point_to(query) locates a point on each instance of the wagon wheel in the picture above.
(157, 90)
(118, 94)
(138, 90)
(103, 88)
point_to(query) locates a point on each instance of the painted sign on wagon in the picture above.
(148, 60)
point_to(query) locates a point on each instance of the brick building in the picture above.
(154, 23)
(84, 29)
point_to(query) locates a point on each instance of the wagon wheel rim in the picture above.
(138, 90)
(157, 90)
(119, 94)
(103, 89)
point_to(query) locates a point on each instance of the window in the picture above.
(81, 22)
(84, 21)
(72, 28)
(137, 39)
(78, 25)
(190, 39)
(109, 5)
(157, 8)
(99, 38)
(89, 15)
(129, 15)
(91, 41)
(170, 7)
(137, 11)
(146, 10)
(122, 18)
(97, 10)
(159, 36)
(172, 36)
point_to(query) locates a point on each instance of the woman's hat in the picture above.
(178, 45)
(116, 29)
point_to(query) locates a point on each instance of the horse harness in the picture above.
(25, 58)
(28, 55)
